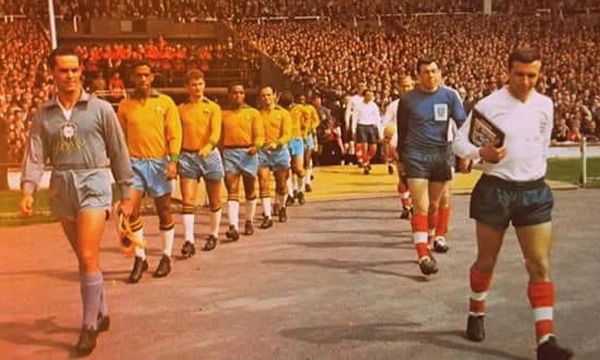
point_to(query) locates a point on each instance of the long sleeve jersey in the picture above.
(152, 126)
(201, 124)
(242, 127)
(527, 129)
(278, 125)
(91, 138)
(304, 115)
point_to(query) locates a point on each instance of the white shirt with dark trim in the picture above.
(527, 127)
(349, 115)
(366, 114)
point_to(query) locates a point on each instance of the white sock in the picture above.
(266, 204)
(215, 220)
(140, 252)
(307, 177)
(188, 227)
(290, 187)
(166, 239)
(299, 184)
(233, 212)
(295, 182)
(250, 209)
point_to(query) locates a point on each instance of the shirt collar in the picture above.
(83, 98)
(153, 94)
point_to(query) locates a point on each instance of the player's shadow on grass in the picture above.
(353, 267)
(387, 233)
(406, 244)
(341, 217)
(37, 334)
(394, 332)
(64, 275)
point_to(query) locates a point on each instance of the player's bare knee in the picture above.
(280, 188)
(538, 269)
(89, 261)
(165, 216)
(485, 264)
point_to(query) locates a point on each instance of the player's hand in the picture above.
(492, 154)
(206, 150)
(252, 150)
(126, 207)
(171, 171)
(464, 165)
(27, 204)
(272, 146)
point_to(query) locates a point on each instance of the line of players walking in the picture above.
(235, 144)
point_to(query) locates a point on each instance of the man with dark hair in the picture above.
(152, 127)
(512, 189)
(81, 137)
(424, 119)
(201, 122)
(243, 135)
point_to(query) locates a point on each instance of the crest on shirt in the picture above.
(206, 111)
(440, 112)
(159, 109)
(68, 141)
(67, 131)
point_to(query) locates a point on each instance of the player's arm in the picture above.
(258, 132)
(173, 137)
(36, 151)
(116, 149)
(121, 116)
(286, 129)
(458, 111)
(216, 125)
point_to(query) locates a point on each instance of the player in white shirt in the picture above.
(365, 127)
(512, 189)
(350, 118)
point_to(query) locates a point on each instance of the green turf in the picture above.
(569, 170)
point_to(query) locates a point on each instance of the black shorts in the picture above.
(367, 134)
(498, 202)
(430, 164)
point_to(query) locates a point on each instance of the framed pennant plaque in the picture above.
(484, 132)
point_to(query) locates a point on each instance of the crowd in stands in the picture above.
(333, 57)
(111, 63)
(24, 81)
(192, 10)
(330, 57)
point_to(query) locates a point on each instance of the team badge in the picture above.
(159, 109)
(440, 112)
(68, 131)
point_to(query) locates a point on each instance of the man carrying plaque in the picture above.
(424, 118)
(512, 189)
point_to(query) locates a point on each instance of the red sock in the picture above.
(541, 297)
(441, 227)
(371, 151)
(419, 227)
(480, 284)
(432, 220)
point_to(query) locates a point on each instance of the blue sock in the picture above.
(92, 287)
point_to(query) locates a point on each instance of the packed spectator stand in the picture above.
(330, 47)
